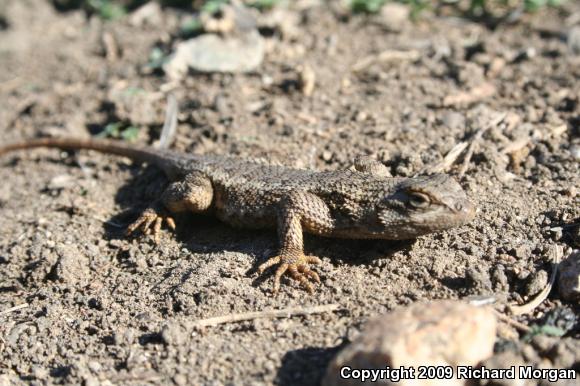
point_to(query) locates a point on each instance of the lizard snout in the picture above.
(466, 209)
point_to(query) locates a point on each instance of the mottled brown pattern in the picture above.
(356, 204)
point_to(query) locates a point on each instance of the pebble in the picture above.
(574, 40)
(413, 336)
(569, 278)
(72, 266)
(394, 16)
(537, 283)
(173, 334)
(454, 120)
(575, 151)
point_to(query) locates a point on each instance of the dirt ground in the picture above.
(106, 309)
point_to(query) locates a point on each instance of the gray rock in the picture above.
(574, 40)
(213, 53)
(575, 151)
(454, 120)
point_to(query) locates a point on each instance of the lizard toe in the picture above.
(304, 269)
(270, 262)
(294, 265)
(279, 272)
(150, 222)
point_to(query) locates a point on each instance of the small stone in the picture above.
(574, 40)
(557, 233)
(172, 334)
(361, 116)
(575, 151)
(92, 381)
(438, 333)
(40, 372)
(569, 277)
(394, 16)
(180, 379)
(306, 80)
(522, 251)
(62, 181)
(453, 120)
(537, 283)
(94, 366)
(495, 67)
(148, 14)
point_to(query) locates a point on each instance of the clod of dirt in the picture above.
(413, 336)
(569, 279)
(72, 266)
(173, 334)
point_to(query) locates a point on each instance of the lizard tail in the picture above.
(160, 158)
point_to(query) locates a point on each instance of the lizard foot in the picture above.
(295, 264)
(150, 223)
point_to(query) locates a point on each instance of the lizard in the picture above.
(362, 202)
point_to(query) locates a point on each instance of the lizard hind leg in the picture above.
(193, 194)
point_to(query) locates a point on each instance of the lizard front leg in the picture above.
(194, 194)
(298, 212)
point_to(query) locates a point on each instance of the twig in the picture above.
(285, 313)
(15, 308)
(511, 322)
(385, 56)
(556, 255)
(451, 157)
(448, 160)
(466, 98)
(170, 124)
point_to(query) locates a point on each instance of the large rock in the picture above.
(441, 333)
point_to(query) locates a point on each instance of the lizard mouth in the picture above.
(412, 224)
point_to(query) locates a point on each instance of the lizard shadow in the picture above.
(205, 234)
(306, 366)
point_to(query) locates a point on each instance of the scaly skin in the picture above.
(356, 204)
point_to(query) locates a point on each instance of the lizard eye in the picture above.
(419, 200)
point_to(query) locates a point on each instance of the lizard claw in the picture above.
(150, 221)
(296, 265)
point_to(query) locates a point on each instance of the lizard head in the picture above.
(424, 205)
